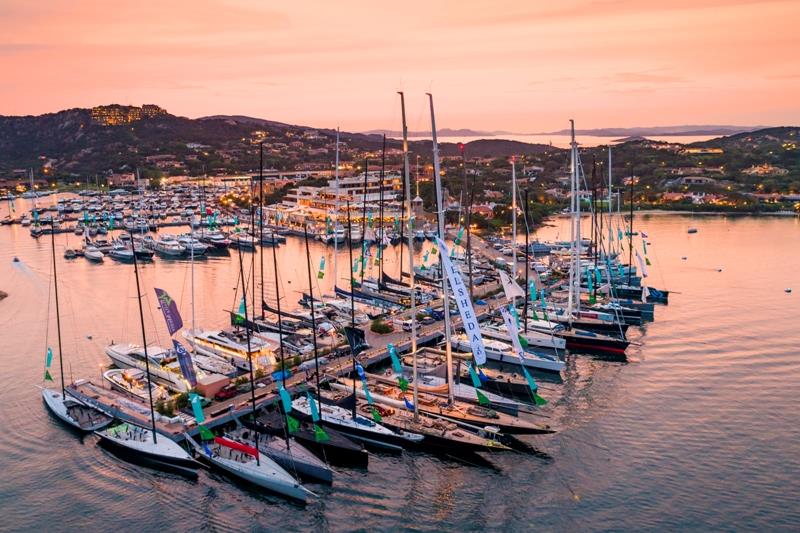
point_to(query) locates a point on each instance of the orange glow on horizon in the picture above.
(519, 66)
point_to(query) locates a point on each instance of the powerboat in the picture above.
(232, 347)
(164, 366)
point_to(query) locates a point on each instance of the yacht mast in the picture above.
(407, 187)
(249, 349)
(144, 342)
(335, 215)
(58, 314)
(440, 217)
(514, 222)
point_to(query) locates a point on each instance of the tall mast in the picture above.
(578, 243)
(261, 222)
(191, 241)
(364, 221)
(380, 212)
(572, 197)
(313, 318)
(469, 229)
(407, 187)
(630, 234)
(336, 215)
(249, 349)
(610, 214)
(144, 342)
(280, 316)
(527, 266)
(440, 218)
(514, 221)
(352, 302)
(58, 314)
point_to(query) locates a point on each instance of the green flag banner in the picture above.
(376, 416)
(47, 376)
(206, 434)
(483, 400)
(320, 435)
(292, 424)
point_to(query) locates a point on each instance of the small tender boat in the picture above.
(93, 254)
(245, 462)
(120, 252)
(691, 230)
(132, 381)
(74, 412)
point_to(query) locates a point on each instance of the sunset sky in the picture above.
(524, 66)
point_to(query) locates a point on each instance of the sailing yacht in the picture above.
(243, 461)
(70, 410)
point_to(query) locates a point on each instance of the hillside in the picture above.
(75, 143)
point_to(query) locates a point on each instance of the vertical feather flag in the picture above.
(459, 236)
(482, 399)
(313, 406)
(409, 405)
(47, 362)
(398, 369)
(286, 400)
(319, 434)
(538, 400)
(206, 434)
(321, 273)
(292, 424)
(514, 313)
(197, 408)
(476, 381)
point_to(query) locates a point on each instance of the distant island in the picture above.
(626, 133)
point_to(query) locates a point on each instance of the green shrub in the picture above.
(379, 326)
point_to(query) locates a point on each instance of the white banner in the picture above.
(511, 326)
(510, 287)
(641, 265)
(465, 309)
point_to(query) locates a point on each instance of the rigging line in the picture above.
(47, 325)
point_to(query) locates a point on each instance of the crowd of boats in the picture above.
(282, 398)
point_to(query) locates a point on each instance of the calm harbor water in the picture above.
(700, 430)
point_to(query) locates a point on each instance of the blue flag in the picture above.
(409, 405)
(185, 361)
(197, 409)
(170, 311)
(482, 376)
(313, 406)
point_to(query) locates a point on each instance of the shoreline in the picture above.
(701, 213)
